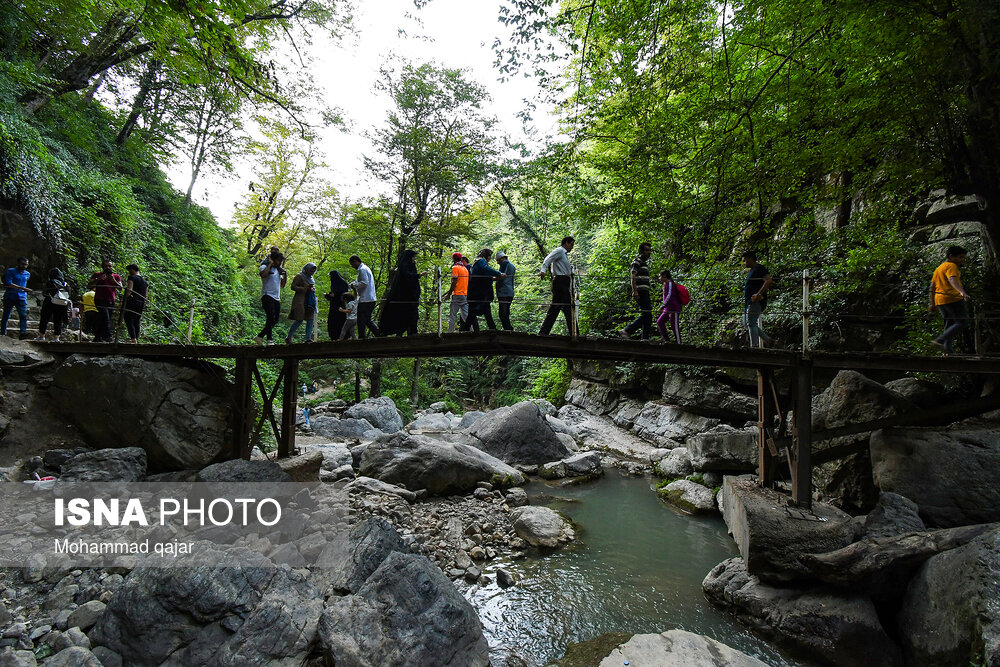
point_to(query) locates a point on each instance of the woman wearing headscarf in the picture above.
(335, 319)
(50, 311)
(400, 314)
(303, 303)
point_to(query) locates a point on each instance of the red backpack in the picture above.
(683, 293)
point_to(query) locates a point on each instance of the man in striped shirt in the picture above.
(557, 262)
(640, 292)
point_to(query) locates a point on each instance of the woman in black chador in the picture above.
(335, 319)
(400, 314)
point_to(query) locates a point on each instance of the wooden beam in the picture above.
(801, 463)
(243, 409)
(289, 408)
(765, 423)
(938, 416)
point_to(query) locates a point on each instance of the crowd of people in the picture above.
(474, 286)
(96, 312)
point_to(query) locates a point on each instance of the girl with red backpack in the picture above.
(675, 297)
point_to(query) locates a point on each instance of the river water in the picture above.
(637, 567)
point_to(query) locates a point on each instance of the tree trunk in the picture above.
(375, 379)
(415, 387)
(94, 87)
(357, 382)
(139, 103)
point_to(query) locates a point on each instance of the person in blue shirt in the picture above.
(481, 278)
(505, 290)
(755, 286)
(15, 281)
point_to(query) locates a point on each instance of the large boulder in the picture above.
(431, 422)
(335, 455)
(667, 425)
(950, 474)
(541, 526)
(180, 414)
(303, 467)
(853, 398)
(443, 468)
(579, 467)
(689, 496)
(675, 464)
(922, 393)
(951, 612)
(106, 465)
(847, 482)
(725, 450)
(893, 515)
(343, 430)
(380, 412)
(239, 470)
(594, 397)
(238, 609)
(771, 535)
(369, 543)
(677, 648)
(833, 627)
(707, 396)
(406, 613)
(519, 434)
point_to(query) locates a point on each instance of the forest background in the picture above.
(809, 131)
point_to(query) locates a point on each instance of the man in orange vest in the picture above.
(948, 296)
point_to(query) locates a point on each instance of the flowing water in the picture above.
(637, 567)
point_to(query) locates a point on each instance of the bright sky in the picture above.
(452, 33)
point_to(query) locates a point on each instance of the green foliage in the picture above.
(552, 381)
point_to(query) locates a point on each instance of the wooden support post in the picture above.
(766, 411)
(802, 432)
(243, 414)
(437, 279)
(289, 408)
(805, 309)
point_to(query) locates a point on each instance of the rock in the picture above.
(380, 412)
(177, 476)
(369, 543)
(707, 396)
(625, 414)
(568, 442)
(519, 434)
(233, 607)
(239, 470)
(504, 578)
(344, 429)
(847, 483)
(883, 562)
(951, 474)
(372, 485)
(77, 637)
(831, 626)
(86, 615)
(407, 613)
(950, 209)
(677, 648)
(559, 426)
(179, 413)
(893, 515)
(34, 569)
(470, 418)
(545, 406)
(771, 535)
(689, 496)
(675, 464)
(11, 658)
(583, 466)
(4, 614)
(951, 612)
(539, 526)
(335, 455)
(74, 656)
(107, 657)
(106, 465)
(724, 450)
(711, 479)
(922, 393)
(593, 397)
(304, 467)
(54, 458)
(343, 472)
(667, 425)
(516, 497)
(434, 422)
(443, 468)
(437, 406)
(853, 398)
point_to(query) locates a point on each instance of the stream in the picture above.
(637, 567)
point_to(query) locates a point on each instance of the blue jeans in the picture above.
(751, 320)
(295, 327)
(956, 319)
(22, 315)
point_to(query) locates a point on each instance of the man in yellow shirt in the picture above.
(948, 296)
(89, 312)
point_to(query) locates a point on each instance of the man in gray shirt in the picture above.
(365, 285)
(557, 262)
(505, 290)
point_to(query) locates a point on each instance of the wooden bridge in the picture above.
(776, 437)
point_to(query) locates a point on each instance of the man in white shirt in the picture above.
(557, 262)
(365, 286)
(272, 278)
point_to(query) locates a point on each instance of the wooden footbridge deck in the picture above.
(777, 437)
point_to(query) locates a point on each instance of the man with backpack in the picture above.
(755, 287)
(640, 292)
